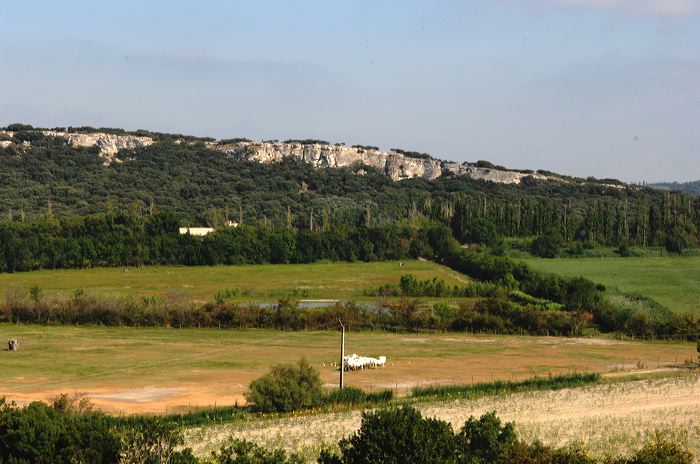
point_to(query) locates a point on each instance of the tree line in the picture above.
(128, 239)
(512, 297)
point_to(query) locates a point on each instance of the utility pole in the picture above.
(342, 352)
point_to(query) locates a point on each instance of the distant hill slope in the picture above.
(688, 187)
(314, 184)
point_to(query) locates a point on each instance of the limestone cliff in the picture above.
(109, 144)
(395, 165)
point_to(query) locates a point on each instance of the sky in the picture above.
(604, 88)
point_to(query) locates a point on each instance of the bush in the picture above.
(399, 435)
(286, 388)
(356, 396)
(244, 452)
(485, 439)
(676, 241)
(484, 232)
(40, 434)
(659, 451)
(154, 441)
(547, 245)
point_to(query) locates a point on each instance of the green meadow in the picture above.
(672, 281)
(342, 281)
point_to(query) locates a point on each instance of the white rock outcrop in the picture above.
(109, 144)
(395, 165)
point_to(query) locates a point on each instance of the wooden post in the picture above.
(342, 352)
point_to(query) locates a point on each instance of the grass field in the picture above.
(138, 370)
(340, 281)
(673, 282)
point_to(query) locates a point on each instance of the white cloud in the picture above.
(652, 7)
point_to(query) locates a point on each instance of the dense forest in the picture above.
(201, 186)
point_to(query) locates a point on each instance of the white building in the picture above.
(202, 231)
(198, 231)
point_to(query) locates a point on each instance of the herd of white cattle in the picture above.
(355, 362)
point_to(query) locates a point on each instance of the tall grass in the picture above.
(356, 397)
(500, 387)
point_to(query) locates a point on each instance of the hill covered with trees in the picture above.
(688, 187)
(45, 177)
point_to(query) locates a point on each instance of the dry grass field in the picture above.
(609, 419)
(128, 370)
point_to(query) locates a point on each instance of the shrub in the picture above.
(286, 388)
(40, 434)
(485, 439)
(547, 245)
(356, 396)
(154, 441)
(483, 231)
(244, 452)
(396, 436)
(659, 451)
(676, 240)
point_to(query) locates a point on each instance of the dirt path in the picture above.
(606, 418)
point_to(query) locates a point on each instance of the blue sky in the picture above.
(609, 88)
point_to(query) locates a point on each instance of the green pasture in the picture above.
(342, 281)
(672, 281)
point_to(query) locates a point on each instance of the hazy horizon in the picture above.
(604, 88)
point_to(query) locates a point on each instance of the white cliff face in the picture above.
(395, 165)
(492, 175)
(109, 144)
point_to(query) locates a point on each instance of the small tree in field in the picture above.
(287, 387)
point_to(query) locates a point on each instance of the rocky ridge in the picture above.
(109, 144)
(397, 166)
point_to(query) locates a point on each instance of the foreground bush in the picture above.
(41, 434)
(244, 452)
(286, 388)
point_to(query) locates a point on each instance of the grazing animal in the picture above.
(355, 362)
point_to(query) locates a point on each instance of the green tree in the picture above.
(396, 436)
(676, 240)
(287, 387)
(483, 231)
(547, 245)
